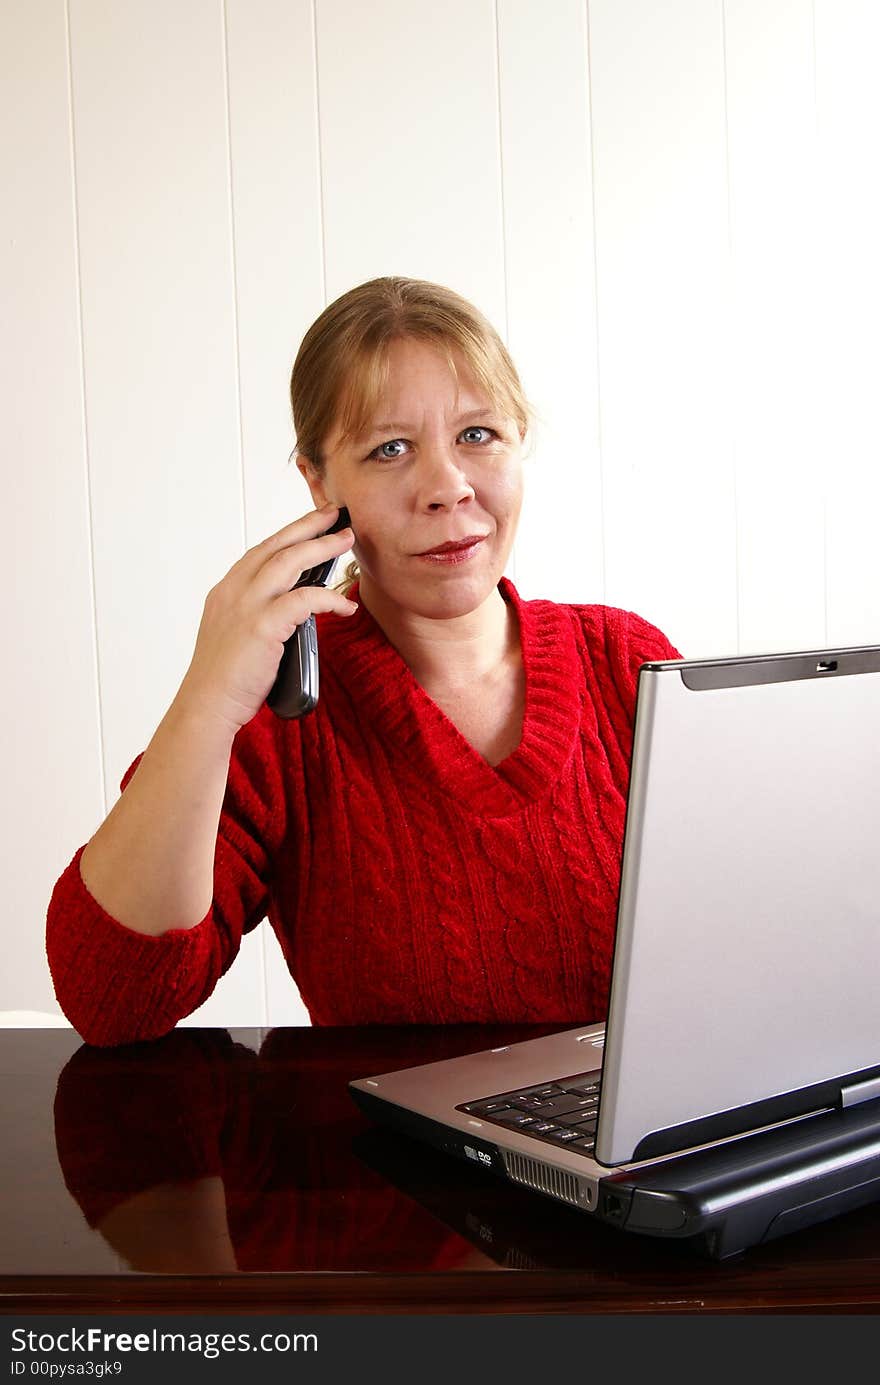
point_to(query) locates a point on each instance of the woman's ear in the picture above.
(313, 480)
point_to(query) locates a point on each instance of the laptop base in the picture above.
(722, 1200)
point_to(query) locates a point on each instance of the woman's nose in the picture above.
(442, 482)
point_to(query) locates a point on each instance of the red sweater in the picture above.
(407, 880)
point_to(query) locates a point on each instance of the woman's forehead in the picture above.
(412, 369)
(410, 384)
(410, 400)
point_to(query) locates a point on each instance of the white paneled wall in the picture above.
(848, 117)
(663, 277)
(549, 254)
(775, 379)
(669, 210)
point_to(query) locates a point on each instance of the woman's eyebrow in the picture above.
(392, 425)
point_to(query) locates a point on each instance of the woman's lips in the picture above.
(459, 554)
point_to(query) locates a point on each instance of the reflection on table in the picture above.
(217, 1169)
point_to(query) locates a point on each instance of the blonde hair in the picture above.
(341, 369)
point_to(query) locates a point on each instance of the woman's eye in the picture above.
(476, 429)
(379, 453)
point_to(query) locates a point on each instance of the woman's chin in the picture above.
(439, 595)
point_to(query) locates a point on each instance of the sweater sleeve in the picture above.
(648, 644)
(116, 985)
(631, 641)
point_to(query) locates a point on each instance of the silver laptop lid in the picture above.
(745, 976)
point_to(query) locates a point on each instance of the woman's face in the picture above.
(433, 470)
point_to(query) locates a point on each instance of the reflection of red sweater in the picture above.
(407, 880)
(277, 1128)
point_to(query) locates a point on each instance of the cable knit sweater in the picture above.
(407, 880)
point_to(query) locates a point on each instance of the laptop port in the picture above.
(614, 1207)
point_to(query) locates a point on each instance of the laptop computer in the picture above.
(734, 1093)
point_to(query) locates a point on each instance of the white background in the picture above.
(668, 208)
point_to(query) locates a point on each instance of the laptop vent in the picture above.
(542, 1178)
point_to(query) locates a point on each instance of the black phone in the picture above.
(295, 690)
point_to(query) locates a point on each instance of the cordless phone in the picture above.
(295, 690)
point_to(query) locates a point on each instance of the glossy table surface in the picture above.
(231, 1170)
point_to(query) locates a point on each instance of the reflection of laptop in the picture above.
(520, 1231)
(743, 991)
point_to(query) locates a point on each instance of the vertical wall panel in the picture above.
(848, 102)
(50, 726)
(775, 380)
(662, 252)
(162, 395)
(409, 146)
(548, 216)
(277, 222)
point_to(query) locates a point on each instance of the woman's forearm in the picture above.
(151, 863)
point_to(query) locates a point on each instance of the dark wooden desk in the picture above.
(231, 1171)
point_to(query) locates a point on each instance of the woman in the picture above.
(439, 841)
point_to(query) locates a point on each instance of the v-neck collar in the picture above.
(415, 730)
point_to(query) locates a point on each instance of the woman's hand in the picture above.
(253, 610)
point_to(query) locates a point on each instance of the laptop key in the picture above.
(585, 1127)
(487, 1108)
(578, 1118)
(512, 1116)
(566, 1105)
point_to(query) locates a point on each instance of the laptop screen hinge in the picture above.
(860, 1091)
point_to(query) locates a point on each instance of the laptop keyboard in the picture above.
(562, 1112)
